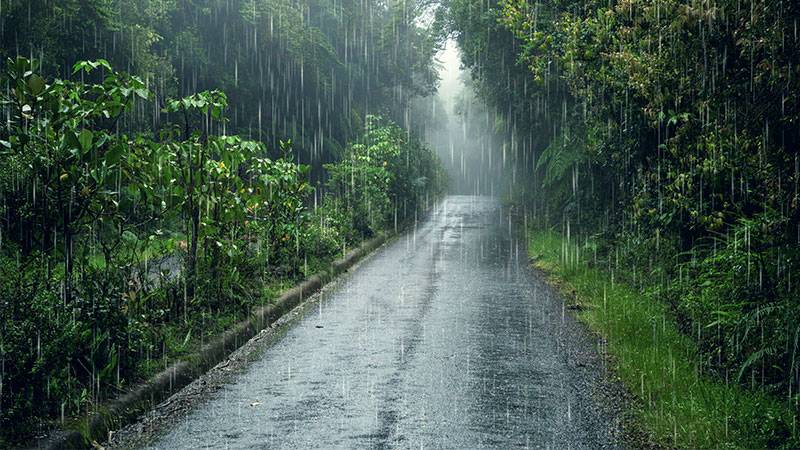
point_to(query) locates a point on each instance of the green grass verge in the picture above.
(680, 406)
(185, 337)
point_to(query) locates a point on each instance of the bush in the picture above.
(58, 358)
(329, 230)
(384, 177)
(737, 292)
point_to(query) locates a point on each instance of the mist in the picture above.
(463, 134)
(435, 223)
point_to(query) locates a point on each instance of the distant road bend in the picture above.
(444, 338)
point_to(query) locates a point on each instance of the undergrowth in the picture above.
(680, 404)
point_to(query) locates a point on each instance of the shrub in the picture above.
(737, 292)
(384, 177)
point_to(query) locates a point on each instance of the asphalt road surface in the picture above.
(444, 338)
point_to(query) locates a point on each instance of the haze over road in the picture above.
(444, 338)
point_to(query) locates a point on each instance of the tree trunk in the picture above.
(67, 230)
(191, 254)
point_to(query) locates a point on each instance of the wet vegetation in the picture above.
(677, 402)
(146, 210)
(166, 165)
(659, 138)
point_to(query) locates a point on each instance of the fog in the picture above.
(463, 134)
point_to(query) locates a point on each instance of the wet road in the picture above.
(443, 338)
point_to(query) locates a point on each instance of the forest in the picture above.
(166, 166)
(157, 178)
(660, 139)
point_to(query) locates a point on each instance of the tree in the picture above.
(62, 144)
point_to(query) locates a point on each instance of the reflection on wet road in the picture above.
(443, 338)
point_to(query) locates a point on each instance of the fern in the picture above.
(756, 357)
(562, 153)
(753, 321)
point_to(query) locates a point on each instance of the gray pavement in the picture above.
(442, 339)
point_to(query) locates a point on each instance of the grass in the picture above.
(678, 405)
(185, 337)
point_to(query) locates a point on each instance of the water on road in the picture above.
(442, 339)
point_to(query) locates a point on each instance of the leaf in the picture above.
(114, 155)
(36, 84)
(754, 358)
(557, 159)
(85, 139)
(142, 93)
(78, 66)
(88, 66)
(129, 237)
(102, 63)
(216, 112)
(72, 140)
(186, 339)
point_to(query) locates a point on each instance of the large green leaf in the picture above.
(114, 154)
(85, 140)
(36, 84)
(71, 140)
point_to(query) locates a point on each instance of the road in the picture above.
(444, 338)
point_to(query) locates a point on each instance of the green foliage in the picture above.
(65, 157)
(289, 67)
(362, 179)
(384, 177)
(678, 400)
(278, 207)
(738, 296)
(118, 251)
(69, 176)
(668, 129)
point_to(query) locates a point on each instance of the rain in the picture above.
(399, 224)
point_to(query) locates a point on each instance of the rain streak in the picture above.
(399, 224)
